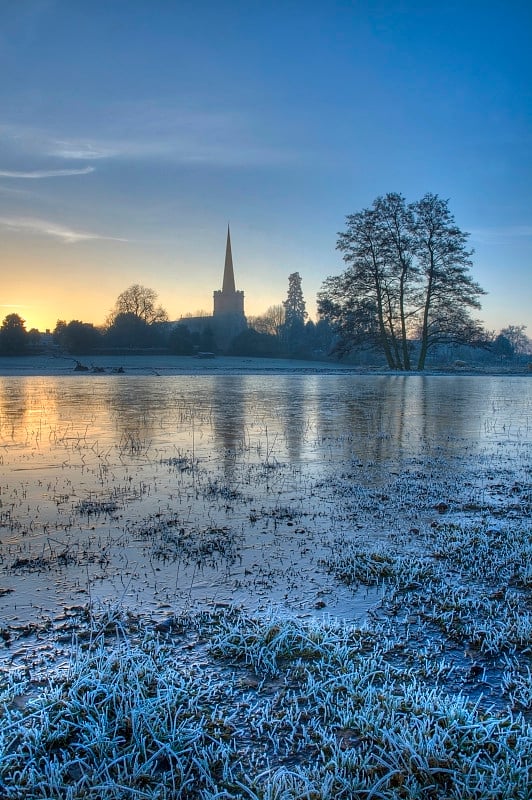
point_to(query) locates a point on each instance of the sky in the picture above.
(133, 131)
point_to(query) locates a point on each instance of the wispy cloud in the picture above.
(183, 149)
(501, 235)
(82, 150)
(53, 229)
(155, 131)
(45, 173)
(26, 141)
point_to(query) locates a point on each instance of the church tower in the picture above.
(229, 302)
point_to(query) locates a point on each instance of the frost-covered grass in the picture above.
(464, 585)
(259, 708)
(495, 552)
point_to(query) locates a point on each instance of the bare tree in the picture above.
(370, 299)
(355, 316)
(395, 222)
(141, 302)
(200, 312)
(407, 277)
(519, 341)
(449, 290)
(270, 322)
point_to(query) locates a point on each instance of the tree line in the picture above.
(407, 291)
(137, 322)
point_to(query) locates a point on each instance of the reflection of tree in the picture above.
(274, 414)
(294, 418)
(372, 418)
(76, 402)
(13, 404)
(443, 410)
(388, 436)
(360, 420)
(228, 414)
(386, 419)
(138, 408)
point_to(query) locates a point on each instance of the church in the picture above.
(228, 301)
(228, 318)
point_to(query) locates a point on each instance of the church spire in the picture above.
(227, 301)
(229, 276)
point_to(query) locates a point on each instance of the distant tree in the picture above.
(251, 342)
(128, 330)
(200, 312)
(76, 337)
(294, 306)
(407, 278)
(292, 332)
(206, 342)
(503, 347)
(180, 341)
(271, 322)
(518, 340)
(34, 337)
(60, 326)
(140, 302)
(13, 336)
(324, 336)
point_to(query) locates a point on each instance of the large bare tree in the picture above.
(448, 290)
(141, 302)
(407, 278)
(369, 302)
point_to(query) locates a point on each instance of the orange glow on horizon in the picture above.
(69, 306)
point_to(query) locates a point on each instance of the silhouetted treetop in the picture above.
(294, 305)
(13, 335)
(141, 302)
(76, 337)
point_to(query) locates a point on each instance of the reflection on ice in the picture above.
(237, 488)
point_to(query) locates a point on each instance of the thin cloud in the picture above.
(29, 141)
(501, 235)
(161, 133)
(56, 231)
(187, 149)
(85, 151)
(45, 173)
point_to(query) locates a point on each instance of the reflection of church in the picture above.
(228, 318)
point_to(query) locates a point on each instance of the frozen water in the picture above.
(177, 491)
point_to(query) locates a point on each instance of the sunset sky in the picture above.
(133, 131)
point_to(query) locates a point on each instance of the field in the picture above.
(322, 609)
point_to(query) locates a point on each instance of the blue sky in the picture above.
(132, 132)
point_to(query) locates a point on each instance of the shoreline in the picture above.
(168, 365)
